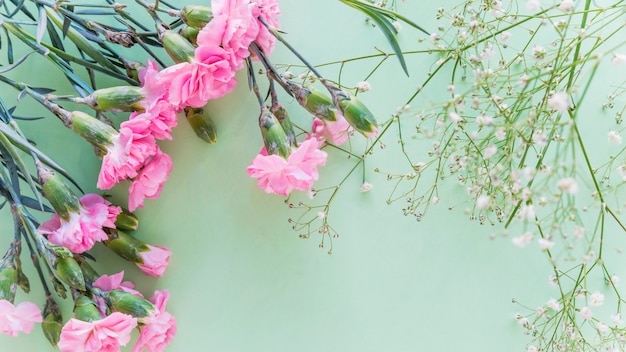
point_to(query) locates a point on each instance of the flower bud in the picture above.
(354, 111)
(61, 197)
(92, 130)
(276, 141)
(126, 221)
(196, 16)
(191, 34)
(177, 47)
(202, 125)
(58, 286)
(115, 99)
(89, 273)
(126, 246)
(128, 303)
(85, 309)
(65, 267)
(314, 101)
(52, 321)
(8, 280)
(283, 118)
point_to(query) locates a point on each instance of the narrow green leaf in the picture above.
(41, 24)
(21, 166)
(15, 64)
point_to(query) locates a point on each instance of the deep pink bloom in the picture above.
(150, 180)
(153, 88)
(233, 27)
(298, 172)
(160, 328)
(336, 132)
(84, 228)
(268, 11)
(114, 282)
(154, 260)
(20, 318)
(130, 149)
(210, 76)
(104, 335)
(162, 118)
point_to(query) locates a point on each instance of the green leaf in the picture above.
(21, 166)
(15, 64)
(42, 22)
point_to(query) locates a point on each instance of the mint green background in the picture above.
(241, 279)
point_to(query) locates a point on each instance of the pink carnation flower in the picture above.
(268, 11)
(153, 88)
(84, 228)
(233, 27)
(150, 180)
(154, 261)
(298, 172)
(130, 149)
(114, 282)
(162, 118)
(211, 75)
(104, 335)
(337, 132)
(20, 318)
(159, 329)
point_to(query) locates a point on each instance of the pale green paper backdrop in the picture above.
(241, 279)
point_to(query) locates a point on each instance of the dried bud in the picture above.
(85, 309)
(276, 141)
(126, 221)
(128, 303)
(202, 125)
(52, 321)
(314, 101)
(61, 197)
(92, 130)
(177, 47)
(115, 99)
(196, 16)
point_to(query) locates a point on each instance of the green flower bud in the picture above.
(52, 321)
(191, 34)
(22, 280)
(202, 125)
(92, 130)
(196, 16)
(65, 266)
(115, 99)
(89, 273)
(314, 101)
(357, 114)
(126, 221)
(275, 138)
(58, 286)
(126, 246)
(85, 309)
(8, 282)
(61, 197)
(283, 118)
(128, 303)
(177, 47)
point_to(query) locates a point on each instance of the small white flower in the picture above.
(554, 305)
(500, 134)
(614, 138)
(618, 59)
(533, 5)
(523, 81)
(482, 120)
(434, 36)
(553, 281)
(579, 232)
(454, 117)
(596, 299)
(545, 244)
(523, 240)
(602, 328)
(366, 187)
(540, 139)
(397, 25)
(586, 313)
(523, 321)
(506, 35)
(363, 86)
(450, 88)
(539, 52)
(490, 151)
(310, 193)
(531, 348)
(288, 75)
(321, 215)
(617, 319)
(567, 5)
(621, 170)
(483, 202)
(559, 101)
(440, 62)
(614, 280)
(435, 200)
(568, 185)
(527, 212)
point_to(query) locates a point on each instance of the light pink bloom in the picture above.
(162, 118)
(153, 88)
(298, 172)
(84, 228)
(130, 149)
(150, 180)
(233, 27)
(160, 328)
(337, 132)
(114, 282)
(104, 335)
(20, 318)
(268, 11)
(211, 75)
(154, 260)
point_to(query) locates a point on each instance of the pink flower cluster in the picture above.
(114, 330)
(20, 318)
(84, 227)
(223, 45)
